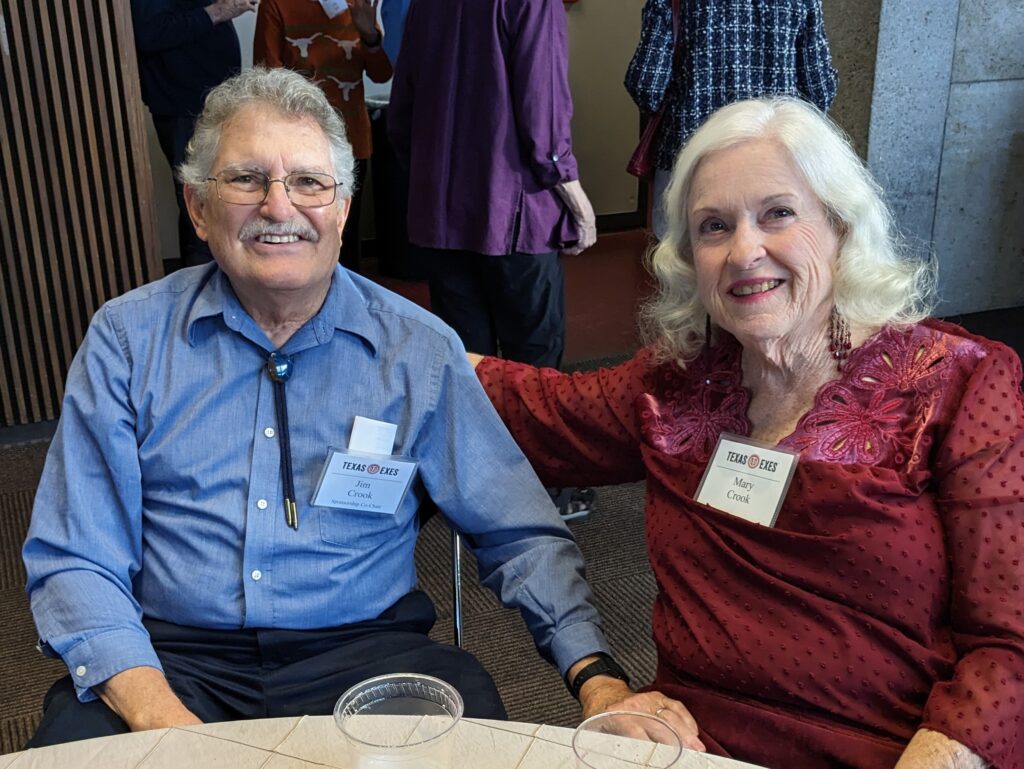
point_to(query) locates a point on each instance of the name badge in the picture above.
(333, 7)
(367, 482)
(747, 479)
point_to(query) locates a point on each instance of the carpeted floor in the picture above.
(611, 539)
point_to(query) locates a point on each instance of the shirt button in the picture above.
(269, 432)
(80, 671)
(257, 574)
(261, 504)
(554, 157)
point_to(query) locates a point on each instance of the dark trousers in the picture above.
(173, 133)
(351, 239)
(228, 675)
(510, 305)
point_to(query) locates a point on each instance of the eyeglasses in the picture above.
(304, 189)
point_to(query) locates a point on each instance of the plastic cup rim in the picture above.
(648, 716)
(388, 677)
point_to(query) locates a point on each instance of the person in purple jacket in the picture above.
(479, 114)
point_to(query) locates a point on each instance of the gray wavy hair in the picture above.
(877, 280)
(289, 94)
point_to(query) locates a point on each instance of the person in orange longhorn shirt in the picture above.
(333, 48)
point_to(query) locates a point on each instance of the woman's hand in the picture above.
(933, 750)
(603, 693)
(364, 16)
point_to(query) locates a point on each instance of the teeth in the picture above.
(756, 288)
(278, 238)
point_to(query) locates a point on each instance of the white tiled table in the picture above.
(312, 742)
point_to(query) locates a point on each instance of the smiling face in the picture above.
(272, 252)
(763, 248)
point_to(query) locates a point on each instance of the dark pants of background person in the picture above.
(230, 675)
(510, 305)
(351, 241)
(173, 133)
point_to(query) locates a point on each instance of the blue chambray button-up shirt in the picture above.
(161, 495)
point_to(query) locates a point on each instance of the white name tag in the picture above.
(333, 7)
(374, 484)
(747, 479)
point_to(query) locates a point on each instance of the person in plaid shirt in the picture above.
(729, 50)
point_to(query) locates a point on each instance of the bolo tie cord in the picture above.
(279, 367)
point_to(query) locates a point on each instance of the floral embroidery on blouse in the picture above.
(904, 362)
(846, 429)
(693, 426)
(860, 418)
(692, 407)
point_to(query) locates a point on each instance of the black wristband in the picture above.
(602, 666)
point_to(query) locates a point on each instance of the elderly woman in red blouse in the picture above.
(870, 613)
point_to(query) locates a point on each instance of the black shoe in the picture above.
(573, 502)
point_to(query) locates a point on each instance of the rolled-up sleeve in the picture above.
(542, 102)
(485, 487)
(84, 544)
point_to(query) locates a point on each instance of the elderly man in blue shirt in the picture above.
(193, 553)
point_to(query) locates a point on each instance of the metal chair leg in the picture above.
(457, 587)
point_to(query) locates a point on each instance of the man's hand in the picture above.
(144, 700)
(364, 16)
(578, 203)
(226, 10)
(603, 693)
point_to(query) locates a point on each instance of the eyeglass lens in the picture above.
(303, 189)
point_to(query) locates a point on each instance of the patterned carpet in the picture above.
(611, 539)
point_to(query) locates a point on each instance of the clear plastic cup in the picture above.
(623, 740)
(400, 721)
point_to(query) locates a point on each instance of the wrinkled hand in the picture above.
(582, 211)
(364, 16)
(933, 750)
(588, 237)
(603, 693)
(225, 10)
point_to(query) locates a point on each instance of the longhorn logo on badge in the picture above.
(754, 461)
(373, 469)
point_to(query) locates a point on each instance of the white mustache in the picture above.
(257, 227)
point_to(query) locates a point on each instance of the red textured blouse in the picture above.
(888, 595)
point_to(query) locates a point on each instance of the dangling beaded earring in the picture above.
(838, 338)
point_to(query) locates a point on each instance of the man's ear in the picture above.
(344, 209)
(196, 211)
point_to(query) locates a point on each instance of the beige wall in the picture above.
(602, 36)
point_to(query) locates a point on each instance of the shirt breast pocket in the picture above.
(356, 530)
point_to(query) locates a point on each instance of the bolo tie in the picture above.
(279, 367)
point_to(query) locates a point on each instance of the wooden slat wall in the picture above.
(77, 225)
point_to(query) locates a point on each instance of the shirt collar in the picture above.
(344, 309)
